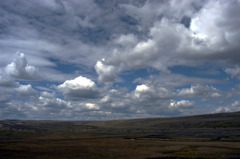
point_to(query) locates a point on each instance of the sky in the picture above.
(112, 59)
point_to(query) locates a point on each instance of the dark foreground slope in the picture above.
(203, 136)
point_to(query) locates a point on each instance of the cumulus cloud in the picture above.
(200, 91)
(234, 72)
(169, 43)
(145, 92)
(66, 39)
(5, 96)
(48, 94)
(141, 89)
(25, 91)
(79, 88)
(126, 40)
(92, 106)
(236, 104)
(51, 107)
(20, 69)
(185, 104)
(105, 73)
(106, 99)
(6, 81)
(54, 103)
(222, 110)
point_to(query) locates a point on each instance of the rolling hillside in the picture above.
(210, 125)
(211, 136)
(203, 121)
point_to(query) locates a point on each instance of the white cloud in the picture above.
(200, 91)
(222, 110)
(216, 23)
(6, 81)
(234, 72)
(78, 83)
(129, 35)
(126, 40)
(79, 88)
(20, 69)
(151, 93)
(106, 99)
(5, 96)
(48, 94)
(141, 89)
(105, 73)
(185, 104)
(204, 23)
(92, 106)
(236, 104)
(48, 103)
(26, 91)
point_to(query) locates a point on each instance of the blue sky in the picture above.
(102, 60)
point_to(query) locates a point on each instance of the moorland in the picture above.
(202, 136)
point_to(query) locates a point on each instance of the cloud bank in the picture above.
(91, 60)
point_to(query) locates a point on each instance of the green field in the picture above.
(205, 136)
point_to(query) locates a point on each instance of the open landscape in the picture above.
(202, 136)
(119, 79)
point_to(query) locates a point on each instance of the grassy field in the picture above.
(209, 136)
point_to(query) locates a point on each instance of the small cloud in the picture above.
(200, 91)
(106, 99)
(20, 69)
(92, 106)
(105, 73)
(236, 104)
(5, 96)
(222, 110)
(25, 91)
(141, 89)
(49, 103)
(233, 71)
(6, 81)
(48, 95)
(126, 40)
(79, 88)
(181, 104)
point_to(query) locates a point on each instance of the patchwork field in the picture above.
(205, 136)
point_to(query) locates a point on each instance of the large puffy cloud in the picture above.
(170, 43)
(216, 25)
(79, 88)
(151, 11)
(217, 22)
(20, 69)
(163, 48)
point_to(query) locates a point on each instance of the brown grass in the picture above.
(99, 146)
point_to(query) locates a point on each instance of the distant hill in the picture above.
(198, 121)
(209, 125)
